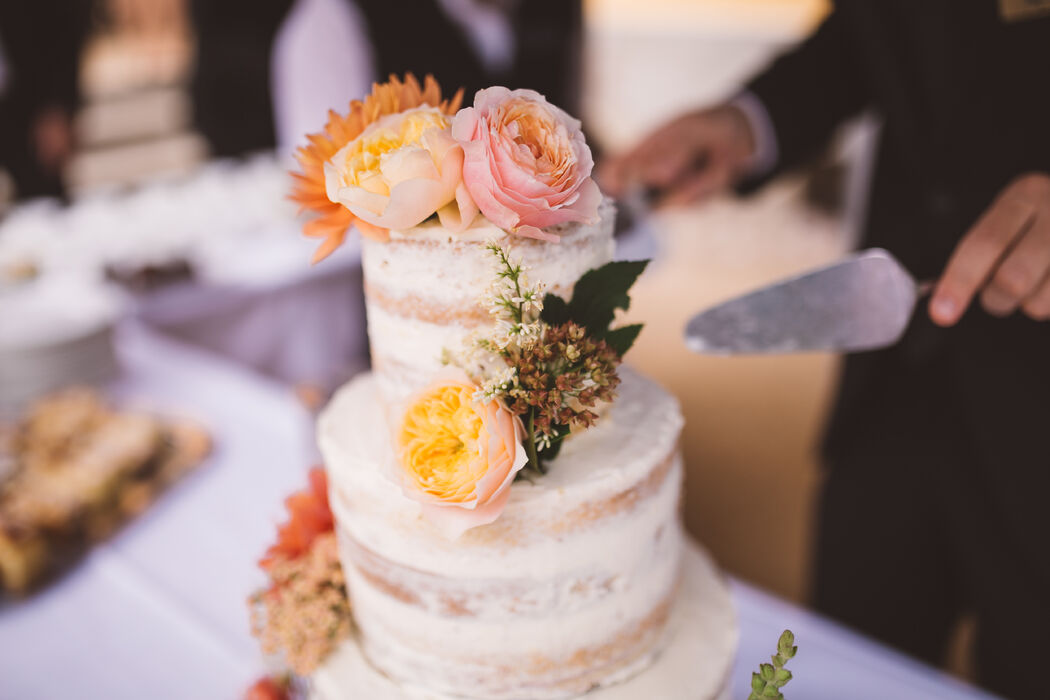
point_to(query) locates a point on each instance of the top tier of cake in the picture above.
(424, 288)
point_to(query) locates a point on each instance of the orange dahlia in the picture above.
(309, 516)
(333, 220)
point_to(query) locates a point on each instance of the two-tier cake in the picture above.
(505, 494)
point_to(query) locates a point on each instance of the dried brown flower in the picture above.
(561, 378)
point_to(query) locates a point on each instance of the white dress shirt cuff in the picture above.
(765, 136)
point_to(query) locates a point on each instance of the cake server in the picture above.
(861, 303)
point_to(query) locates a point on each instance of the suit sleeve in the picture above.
(42, 42)
(810, 90)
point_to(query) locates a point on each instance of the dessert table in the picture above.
(159, 611)
(215, 259)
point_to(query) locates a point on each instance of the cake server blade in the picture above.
(861, 303)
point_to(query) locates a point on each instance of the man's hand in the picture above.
(687, 159)
(1005, 257)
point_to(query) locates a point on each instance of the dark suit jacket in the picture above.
(230, 85)
(41, 42)
(418, 36)
(966, 104)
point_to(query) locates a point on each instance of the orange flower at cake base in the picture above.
(458, 456)
(268, 688)
(309, 517)
(333, 220)
(304, 612)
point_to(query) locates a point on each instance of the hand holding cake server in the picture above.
(932, 504)
(1004, 257)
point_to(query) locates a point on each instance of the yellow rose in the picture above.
(458, 457)
(400, 170)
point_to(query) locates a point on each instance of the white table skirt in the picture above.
(159, 612)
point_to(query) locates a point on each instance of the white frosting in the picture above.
(420, 284)
(560, 571)
(479, 231)
(695, 663)
(407, 352)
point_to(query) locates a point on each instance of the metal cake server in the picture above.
(861, 303)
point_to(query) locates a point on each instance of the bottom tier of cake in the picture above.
(694, 664)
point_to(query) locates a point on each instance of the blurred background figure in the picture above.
(40, 45)
(133, 89)
(931, 505)
(136, 122)
(329, 51)
(230, 88)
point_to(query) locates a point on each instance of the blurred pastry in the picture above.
(78, 470)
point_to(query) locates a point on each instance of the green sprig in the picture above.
(772, 677)
(510, 271)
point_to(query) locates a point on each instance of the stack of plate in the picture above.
(55, 332)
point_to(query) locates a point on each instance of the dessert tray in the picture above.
(72, 471)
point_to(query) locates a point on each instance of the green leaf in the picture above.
(772, 692)
(621, 339)
(757, 684)
(555, 310)
(598, 294)
(781, 677)
(767, 672)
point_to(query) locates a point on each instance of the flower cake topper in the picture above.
(526, 165)
(404, 154)
(401, 170)
(332, 220)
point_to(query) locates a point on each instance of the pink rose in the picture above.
(458, 456)
(526, 163)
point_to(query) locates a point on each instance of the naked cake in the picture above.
(504, 494)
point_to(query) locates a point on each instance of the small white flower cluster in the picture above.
(497, 385)
(508, 334)
(513, 304)
(542, 440)
(477, 357)
(515, 308)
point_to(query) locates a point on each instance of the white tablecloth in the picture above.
(159, 611)
(833, 663)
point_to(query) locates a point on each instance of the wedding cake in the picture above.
(504, 494)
